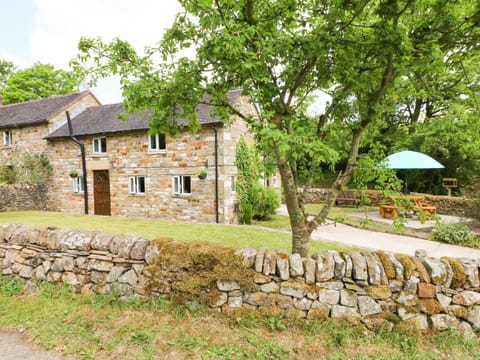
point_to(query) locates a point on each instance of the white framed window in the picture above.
(182, 185)
(100, 145)
(7, 138)
(77, 183)
(157, 143)
(136, 184)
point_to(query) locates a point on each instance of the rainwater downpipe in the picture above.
(84, 163)
(216, 172)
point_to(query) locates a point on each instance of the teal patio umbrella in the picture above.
(411, 160)
(408, 160)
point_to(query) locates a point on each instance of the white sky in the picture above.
(48, 31)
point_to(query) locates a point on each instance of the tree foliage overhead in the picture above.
(365, 54)
(7, 69)
(36, 82)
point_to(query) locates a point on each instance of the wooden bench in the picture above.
(346, 197)
(421, 209)
(428, 208)
(388, 211)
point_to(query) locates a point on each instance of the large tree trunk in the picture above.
(298, 222)
(301, 227)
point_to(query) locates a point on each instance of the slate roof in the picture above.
(104, 119)
(36, 111)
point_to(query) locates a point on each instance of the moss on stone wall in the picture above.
(381, 292)
(196, 267)
(421, 270)
(459, 275)
(429, 306)
(407, 263)
(388, 265)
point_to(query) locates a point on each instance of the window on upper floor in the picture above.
(182, 185)
(77, 183)
(157, 143)
(136, 184)
(100, 145)
(7, 138)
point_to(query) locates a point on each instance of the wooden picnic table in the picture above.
(411, 203)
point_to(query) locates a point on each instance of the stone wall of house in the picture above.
(30, 138)
(22, 197)
(228, 138)
(375, 288)
(27, 139)
(128, 155)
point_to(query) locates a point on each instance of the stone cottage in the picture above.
(23, 126)
(133, 173)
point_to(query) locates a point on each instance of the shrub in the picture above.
(245, 213)
(266, 202)
(8, 175)
(455, 233)
(28, 168)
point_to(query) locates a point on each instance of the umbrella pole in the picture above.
(405, 183)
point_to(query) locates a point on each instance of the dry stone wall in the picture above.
(376, 288)
(26, 197)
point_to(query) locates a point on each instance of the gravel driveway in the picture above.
(15, 346)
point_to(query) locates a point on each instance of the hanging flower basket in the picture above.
(73, 174)
(202, 175)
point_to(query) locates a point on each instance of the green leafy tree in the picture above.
(36, 82)
(7, 69)
(280, 53)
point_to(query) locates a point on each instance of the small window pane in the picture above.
(187, 185)
(131, 185)
(136, 184)
(153, 142)
(104, 145)
(140, 184)
(182, 184)
(157, 142)
(78, 184)
(99, 145)
(161, 142)
(176, 183)
(7, 138)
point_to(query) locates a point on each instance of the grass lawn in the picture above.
(237, 236)
(104, 327)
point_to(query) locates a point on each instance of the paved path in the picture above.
(15, 346)
(349, 235)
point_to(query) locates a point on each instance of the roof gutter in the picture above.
(84, 162)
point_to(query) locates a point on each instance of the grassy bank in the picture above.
(236, 236)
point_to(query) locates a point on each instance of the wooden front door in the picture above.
(101, 192)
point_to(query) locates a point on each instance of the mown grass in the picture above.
(105, 327)
(236, 236)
